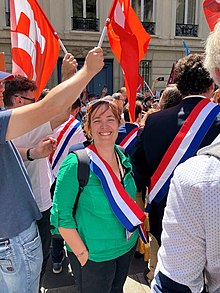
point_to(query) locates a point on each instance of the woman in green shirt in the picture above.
(95, 235)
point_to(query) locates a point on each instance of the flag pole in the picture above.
(152, 95)
(103, 33)
(62, 46)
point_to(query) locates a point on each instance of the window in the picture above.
(187, 18)
(144, 70)
(7, 13)
(85, 15)
(145, 9)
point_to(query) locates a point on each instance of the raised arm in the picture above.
(26, 118)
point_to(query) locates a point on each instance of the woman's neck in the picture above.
(106, 152)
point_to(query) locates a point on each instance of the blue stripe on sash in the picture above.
(120, 216)
(193, 147)
(67, 139)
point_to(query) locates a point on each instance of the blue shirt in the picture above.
(18, 208)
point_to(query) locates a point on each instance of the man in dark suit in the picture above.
(195, 84)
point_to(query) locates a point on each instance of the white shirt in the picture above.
(38, 170)
(77, 137)
(191, 224)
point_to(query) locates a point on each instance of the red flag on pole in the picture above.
(212, 12)
(129, 41)
(35, 46)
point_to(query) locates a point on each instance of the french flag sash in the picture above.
(62, 140)
(130, 139)
(123, 206)
(184, 146)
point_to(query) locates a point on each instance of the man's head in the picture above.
(76, 106)
(138, 112)
(191, 77)
(123, 91)
(19, 92)
(119, 100)
(3, 77)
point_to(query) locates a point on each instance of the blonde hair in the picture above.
(212, 50)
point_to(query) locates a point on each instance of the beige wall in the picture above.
(164, 48)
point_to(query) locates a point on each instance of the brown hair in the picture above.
(18, 85)
(93, 108)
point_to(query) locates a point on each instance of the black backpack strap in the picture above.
(82, 173)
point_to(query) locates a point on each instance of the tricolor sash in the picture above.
(184, 146)
(62, 140)
(123, 206)
(130, 139)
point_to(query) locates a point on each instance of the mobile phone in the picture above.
(161, 78)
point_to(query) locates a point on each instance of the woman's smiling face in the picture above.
(104, 125)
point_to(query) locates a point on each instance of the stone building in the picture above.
(79, 24)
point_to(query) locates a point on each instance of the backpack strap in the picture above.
(82, 173)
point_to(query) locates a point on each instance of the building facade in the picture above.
(79, 24)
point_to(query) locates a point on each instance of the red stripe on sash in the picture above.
(177, 141)
(129, 135)
(123, 193)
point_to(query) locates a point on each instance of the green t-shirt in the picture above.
(100, 230)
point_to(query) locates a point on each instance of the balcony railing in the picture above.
(188, 30)
(149, 27)
(85, 24)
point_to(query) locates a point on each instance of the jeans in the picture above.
(20, 262)
(107, 276)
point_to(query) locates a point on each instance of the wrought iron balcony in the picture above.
(149, 27)
(85, 24)
(188, 30)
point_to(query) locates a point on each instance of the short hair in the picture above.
(116, 96)
(138, 110)
(76, 104)
(140, 97)
(191, 77)
(122, 90)
(170, 97)
(93, 107)
(18, 85)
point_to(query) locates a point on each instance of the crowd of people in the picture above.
(142, 171)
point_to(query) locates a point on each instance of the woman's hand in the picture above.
(83, 257)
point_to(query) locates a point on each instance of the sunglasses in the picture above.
(107, 99)
(25, 98)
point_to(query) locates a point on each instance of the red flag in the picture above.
(140, 82)
(35, 46)
(128, 40)
(212, 12)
